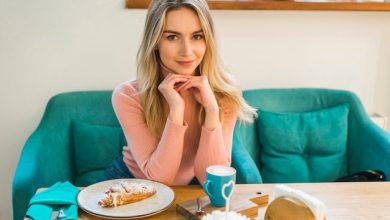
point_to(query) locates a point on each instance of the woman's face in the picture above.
(182, 45)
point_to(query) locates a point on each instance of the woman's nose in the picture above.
(186, 48)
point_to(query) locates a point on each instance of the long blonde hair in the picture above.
(149, 74)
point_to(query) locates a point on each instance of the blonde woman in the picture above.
(178, 117)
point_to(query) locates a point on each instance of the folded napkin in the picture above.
(316, 206)
(221, 215)
(59, 197)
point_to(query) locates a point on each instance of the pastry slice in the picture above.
(123, 193)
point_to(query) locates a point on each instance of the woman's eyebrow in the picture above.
(175, 32)
(197, 32)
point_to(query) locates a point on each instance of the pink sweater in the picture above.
(182, 152)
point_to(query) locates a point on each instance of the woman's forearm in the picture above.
(211, 119)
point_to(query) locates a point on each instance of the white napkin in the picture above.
(220, 215)
(314, 204)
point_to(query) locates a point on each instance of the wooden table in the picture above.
(344, 201)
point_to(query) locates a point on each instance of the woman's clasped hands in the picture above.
(175, 84)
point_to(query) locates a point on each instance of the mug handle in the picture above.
(231, 182)
(206, 188)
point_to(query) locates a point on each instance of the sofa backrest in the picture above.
(65, 110)
(297, 100)
(95, 108)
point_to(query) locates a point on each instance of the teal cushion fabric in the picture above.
(303, 146)
(95, 146)
(246, 135)
(89, 178)
(247, 171)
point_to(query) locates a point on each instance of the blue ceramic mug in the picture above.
(219, 184)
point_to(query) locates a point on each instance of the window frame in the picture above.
(322, 5)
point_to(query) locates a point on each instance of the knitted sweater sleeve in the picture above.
(158, 159)
(215, 146)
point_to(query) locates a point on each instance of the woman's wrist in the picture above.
(176, 115)
(212, 109)
(212, 119)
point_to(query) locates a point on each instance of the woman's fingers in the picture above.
(200, 88)
(174, 77)
(192, 82)
(184, 86)
(174, 80)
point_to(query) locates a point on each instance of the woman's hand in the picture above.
(168, 88)
(199, 86)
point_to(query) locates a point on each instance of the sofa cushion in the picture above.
(303, 146)
(95, 146)
(89, 178)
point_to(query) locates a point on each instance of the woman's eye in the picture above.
(198, 36)
(172, 37)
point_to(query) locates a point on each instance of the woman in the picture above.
(179, 115)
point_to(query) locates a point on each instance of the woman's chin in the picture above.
(186, 72)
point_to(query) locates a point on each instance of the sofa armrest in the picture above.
(247, 171)
(41, 164)
(370, 148)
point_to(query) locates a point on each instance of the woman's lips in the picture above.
(185, 63)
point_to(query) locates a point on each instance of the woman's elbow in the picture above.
(166, 181)
(162, 178)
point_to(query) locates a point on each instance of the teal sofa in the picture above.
(48, 155)
(64, 145)
(367, 146)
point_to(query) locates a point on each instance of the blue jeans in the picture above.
(117, 170)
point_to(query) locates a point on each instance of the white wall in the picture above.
(52, 46)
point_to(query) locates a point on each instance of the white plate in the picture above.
(88, 200)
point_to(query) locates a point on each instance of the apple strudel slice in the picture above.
(123, 193)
